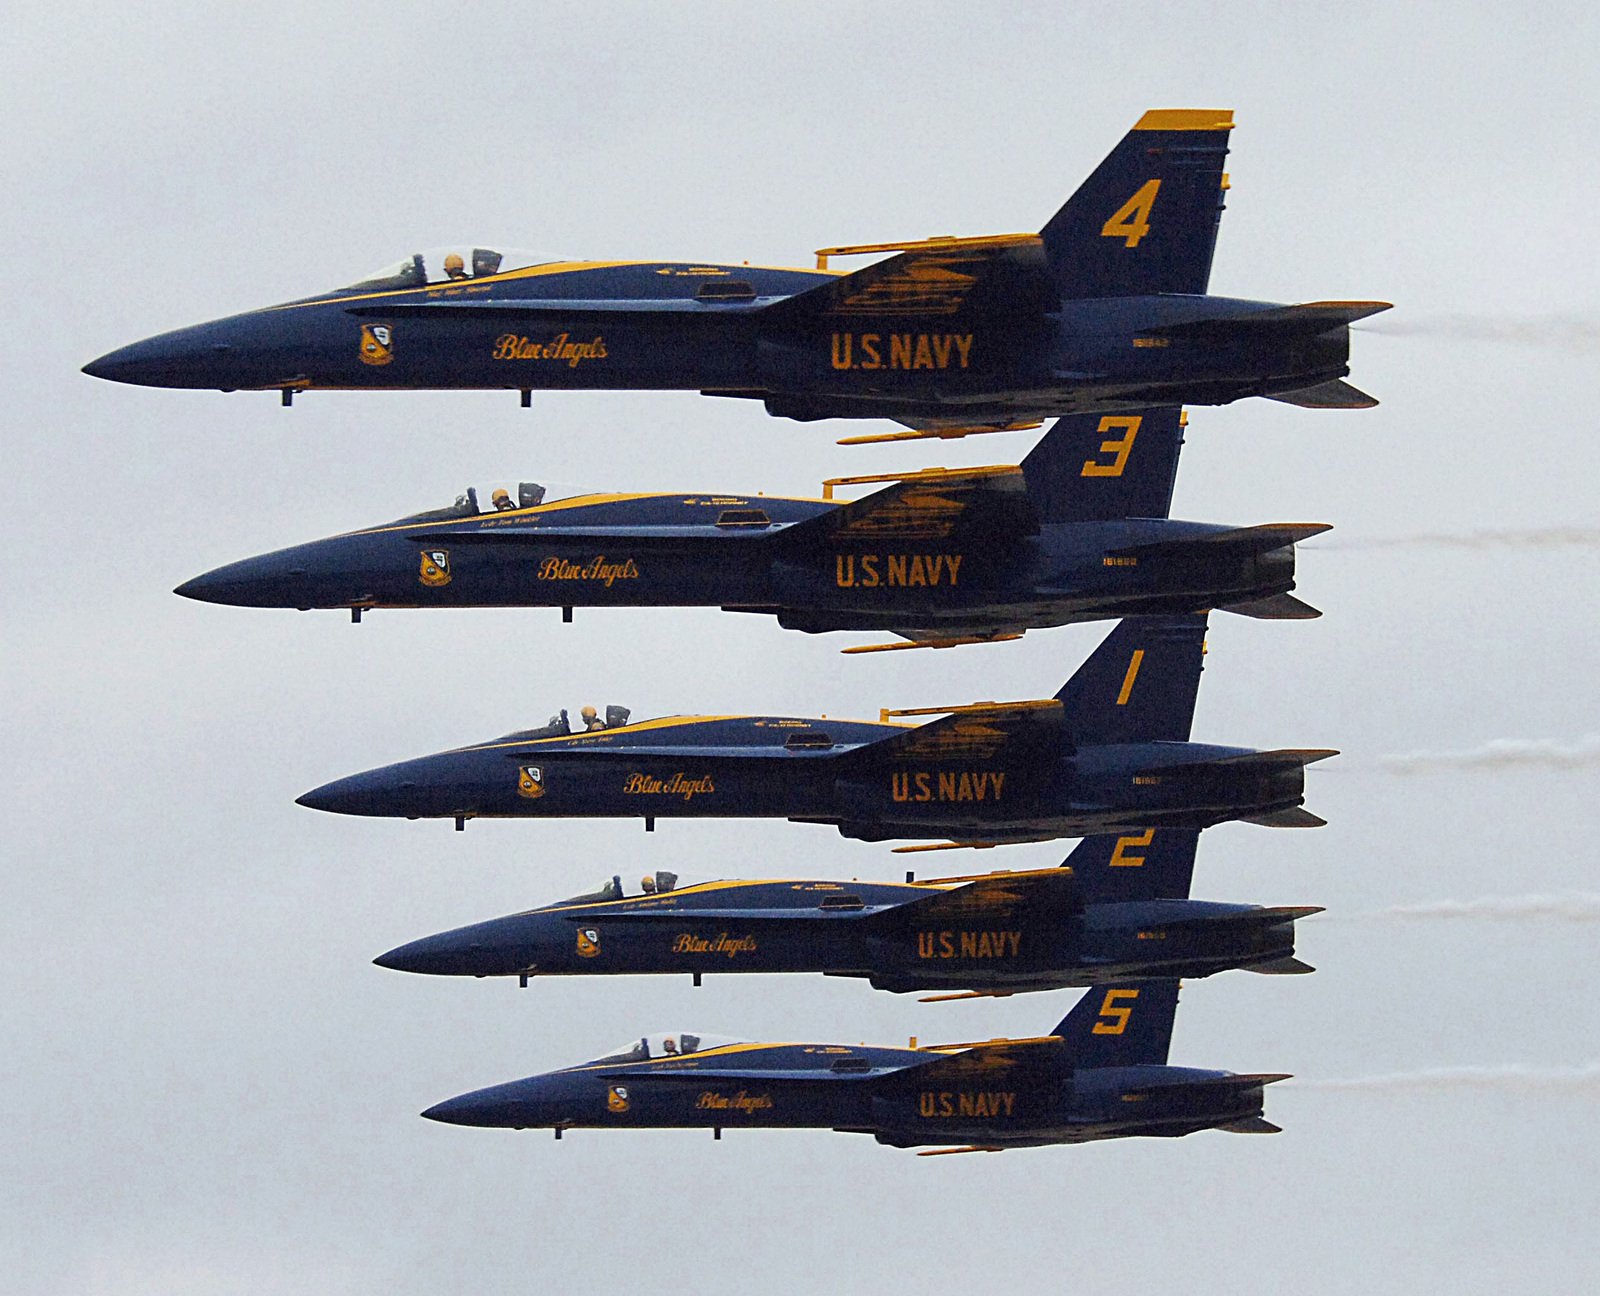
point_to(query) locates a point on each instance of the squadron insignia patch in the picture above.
(435, 569)
(617, 1098)
(530, 784)
(588, 942)
(377, 344)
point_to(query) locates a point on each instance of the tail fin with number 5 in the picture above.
(1121, 1025)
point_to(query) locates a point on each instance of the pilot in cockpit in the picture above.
(591, 719)
(454, 266)
(503, 502)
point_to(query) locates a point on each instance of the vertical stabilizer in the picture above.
(1139, 685)
(1146, 220)
(1127, 1024)
(1102, 467)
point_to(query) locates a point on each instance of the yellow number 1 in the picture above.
(1114, 1017)
(1132, 220)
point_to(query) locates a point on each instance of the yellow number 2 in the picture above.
(1114, 1017)
(1132, 220)
(1119, 448)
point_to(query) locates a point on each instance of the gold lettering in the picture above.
(841, 350)
(924, 358)
(844, 570)
(869, 350)
(900, 351)
(941, 349)
(964, 346)
(869, 571)
(897, 569)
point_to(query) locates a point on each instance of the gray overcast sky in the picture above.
(210, 1089)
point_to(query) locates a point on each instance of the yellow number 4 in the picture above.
(1114, 1017)
(1132, 220)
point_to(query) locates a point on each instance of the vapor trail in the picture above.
(1532, 538)
(1502, 1079)
(1566, 332)
(1572, 906)
(1502, 754)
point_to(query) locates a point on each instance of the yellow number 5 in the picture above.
(1119, 448)
(1114, 1017)
(1132, 220)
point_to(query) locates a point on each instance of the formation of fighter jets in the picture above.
(1102, 322)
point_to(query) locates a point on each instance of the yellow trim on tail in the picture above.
(1185, 119)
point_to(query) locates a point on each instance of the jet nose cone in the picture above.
(465, 1110)
(185, 358)
(256, 582)
(483, 1108)
(426, 955)
(389, 791)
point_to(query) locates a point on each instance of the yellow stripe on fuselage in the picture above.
(457, 287)
(700, 888)
(572, 502)
(664, 722)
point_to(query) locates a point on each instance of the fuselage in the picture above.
(1044, 938)
(821, 770)
(707, 327)
(751, 553)
(903, 1097)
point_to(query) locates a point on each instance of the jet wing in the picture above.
(1004, 274)
(934, 504)
(990, 894)
(982, 1060)
(980, 731)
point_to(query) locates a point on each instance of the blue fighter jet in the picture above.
(1101, 1073)
(1117, 910)
(1109, 753)
(1105, 308)
(1079, 531)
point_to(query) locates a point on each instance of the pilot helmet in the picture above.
(647, 884)
(501, 498)
(588, 713)
(454, 266)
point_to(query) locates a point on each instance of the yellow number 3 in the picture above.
(1132, 220)
(1113, 1016)
(1119, 448)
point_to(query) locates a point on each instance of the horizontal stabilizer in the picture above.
(1336, 394)
(1278, 756)
(1219, 1085)
(1251, 1125)
(1251, 539)
(1293, 817)
(1280, 607)
(1259, 917)
(1289, 966)
(1305, 320)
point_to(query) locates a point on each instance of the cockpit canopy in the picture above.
(459, 264)
(658, 883)
(668, 1044)
(529, 495)
(559, 725)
